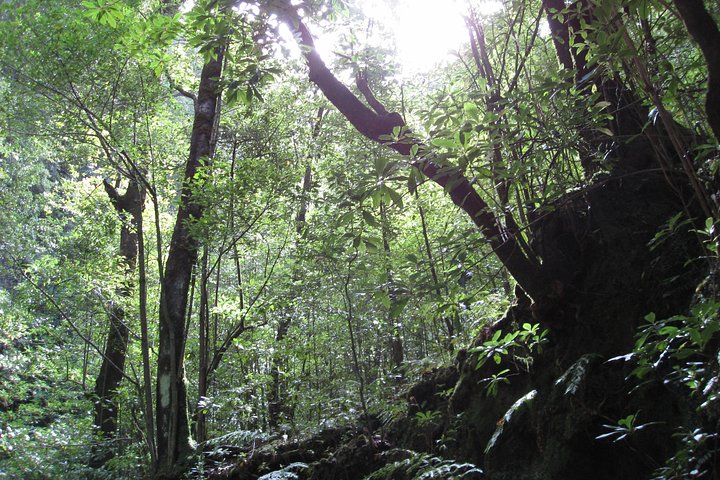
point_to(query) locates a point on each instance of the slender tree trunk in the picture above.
(500, 163)
(204, 351)
(130, 205)
(173, 431)
(349, 317)
(448, 322)
(276, 399)
(395, 345)
(145, 346)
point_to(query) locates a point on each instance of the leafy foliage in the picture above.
(315, 301)
(682, 351)
(521, 343)
(286, 473)
(422, 467)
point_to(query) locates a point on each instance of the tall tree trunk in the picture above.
(568, 26)
(395, 345)
(350, 318)
(276, 398)
(113, 366)
(433, 274)
(145, 347)
(203, 349)
(173, 431)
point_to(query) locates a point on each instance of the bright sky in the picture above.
(426, 31)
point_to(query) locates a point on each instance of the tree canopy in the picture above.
(231, 227)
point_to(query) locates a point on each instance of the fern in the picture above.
(239, 438)
(286, 473)
(425, 467)
(450, 470)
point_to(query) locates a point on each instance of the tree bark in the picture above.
(145, 346)
(113, 365)
(276, 397)
(173, 431)
(349, 317)
(704, 31)
(565, 27)
(203, 349)
(629, 116)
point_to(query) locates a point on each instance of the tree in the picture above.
(173, 430)
(704, 30)
(627, 123)
(287, 305)
(131, 203)
(381, 126)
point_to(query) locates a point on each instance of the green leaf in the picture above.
(413, 181)
(371, 244)
(695, 336)
(668, 331)
(376, 198)
(369, 219)
(346, 218)
(398, 307)
(110, 20)
(380, 164)
(627, 422)
(384, 299)
(395, 197)
(471, 110)
(444, 143)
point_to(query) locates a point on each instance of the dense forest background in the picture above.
(226, 252)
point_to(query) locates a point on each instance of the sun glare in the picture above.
(427, 32)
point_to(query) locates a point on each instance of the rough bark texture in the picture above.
(600, 243)
(130, 205)
(565, 27)
(173, 433)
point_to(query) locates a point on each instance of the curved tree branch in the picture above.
(361, 81)
(380, 128)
